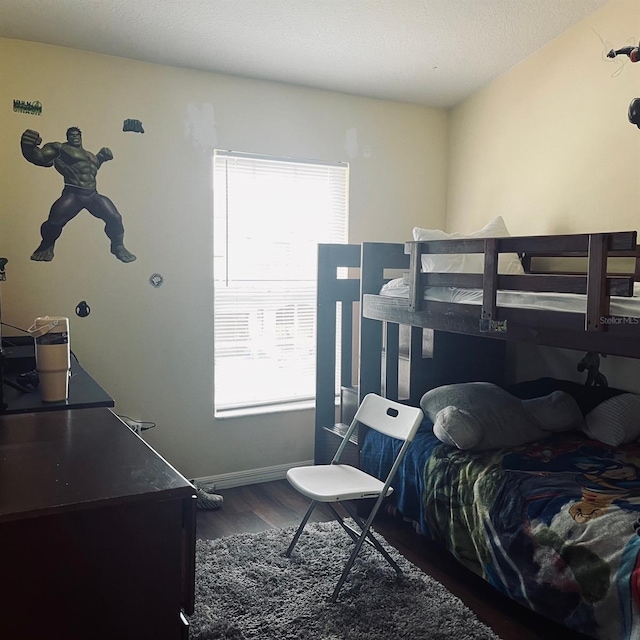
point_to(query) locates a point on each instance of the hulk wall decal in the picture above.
(79, 168)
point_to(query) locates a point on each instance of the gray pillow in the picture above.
(481, 415)
(615, 421)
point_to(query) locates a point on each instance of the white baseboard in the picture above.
(250, 476)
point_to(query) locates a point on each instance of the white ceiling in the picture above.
(430, 52)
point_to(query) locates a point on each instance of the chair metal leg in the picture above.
(372, 539)
(340, 520)
(347, 568)
(302, 525)
(356, 550)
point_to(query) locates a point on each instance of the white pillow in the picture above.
(615, 421)
(508, 263)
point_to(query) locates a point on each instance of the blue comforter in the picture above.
(552, 524)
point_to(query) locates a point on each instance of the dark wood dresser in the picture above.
(97, 531)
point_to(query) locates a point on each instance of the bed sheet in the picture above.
(552, 524)
(570, 302)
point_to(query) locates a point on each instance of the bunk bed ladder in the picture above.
(333, 293)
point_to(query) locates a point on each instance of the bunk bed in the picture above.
(553, 523)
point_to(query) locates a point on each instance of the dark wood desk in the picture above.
(97, 531)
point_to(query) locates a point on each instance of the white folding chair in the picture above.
(336, 482)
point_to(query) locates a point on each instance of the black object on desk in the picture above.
(19, 358)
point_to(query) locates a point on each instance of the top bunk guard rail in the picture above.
(621, 242)
(592, 330)
(527, 257)
(595, 283)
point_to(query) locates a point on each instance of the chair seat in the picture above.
(335, 482)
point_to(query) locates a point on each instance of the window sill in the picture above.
(241, 412)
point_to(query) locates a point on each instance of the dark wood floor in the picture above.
(276, 505)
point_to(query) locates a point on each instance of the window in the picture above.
(269, 216)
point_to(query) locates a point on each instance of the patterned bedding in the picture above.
(554, 524)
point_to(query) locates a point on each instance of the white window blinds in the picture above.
(269, 216)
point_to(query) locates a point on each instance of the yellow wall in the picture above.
(152, 349)
(549, 147)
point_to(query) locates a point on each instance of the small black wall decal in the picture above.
(633, 53)
(30, 108)
(156, 280)
(132, 125)
(83, 309)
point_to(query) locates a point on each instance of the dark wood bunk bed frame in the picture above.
(362, 329)
(465, 342)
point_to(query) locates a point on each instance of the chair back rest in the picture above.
(391, 418)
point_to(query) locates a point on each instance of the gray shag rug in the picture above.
(247, 590)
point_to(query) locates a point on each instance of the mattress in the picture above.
(550, 301)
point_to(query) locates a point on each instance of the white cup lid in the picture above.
(49, 324)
